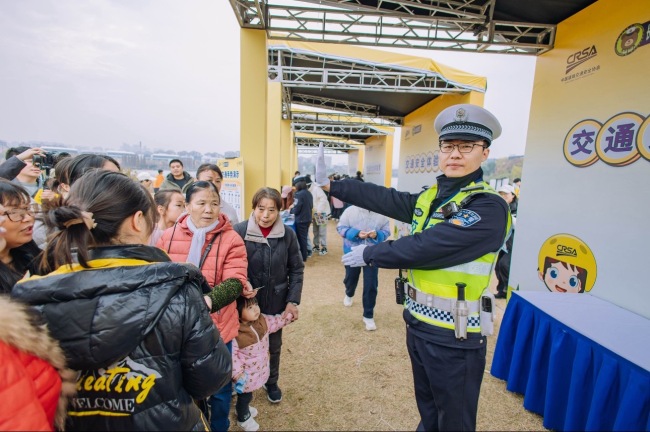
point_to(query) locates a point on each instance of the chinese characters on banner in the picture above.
(232, 186)
(620, 141)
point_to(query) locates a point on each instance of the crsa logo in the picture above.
(578, 58)
(566, 251)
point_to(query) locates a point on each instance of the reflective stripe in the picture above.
(474, 268)
(439, 317)
(442, 282)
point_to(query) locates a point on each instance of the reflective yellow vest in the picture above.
(442, 282)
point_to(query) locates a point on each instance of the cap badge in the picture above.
(461, 115)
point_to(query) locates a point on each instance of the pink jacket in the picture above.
(231, 262)
(253, 358)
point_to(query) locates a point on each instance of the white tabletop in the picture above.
(619, 330)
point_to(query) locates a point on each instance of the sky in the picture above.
(165, 73)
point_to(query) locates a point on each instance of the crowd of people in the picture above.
(126, 317)
(152, 314)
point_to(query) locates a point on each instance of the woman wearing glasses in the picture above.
(18, 257)
(204, 237)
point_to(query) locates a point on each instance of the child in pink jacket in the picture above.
(250, 356)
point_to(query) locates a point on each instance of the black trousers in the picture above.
(275, 349)
(302, 232)
(502, 271)
(447, 384)
(242, 406)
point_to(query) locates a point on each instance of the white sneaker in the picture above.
(253, 411)
(250, 424)
(347, 301)
(370, 324)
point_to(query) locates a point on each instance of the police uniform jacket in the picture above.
(303, 204)
(441, 246)
(137, 330)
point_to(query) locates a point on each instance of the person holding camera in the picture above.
(30, 176)
(457, 229)
(15, 159)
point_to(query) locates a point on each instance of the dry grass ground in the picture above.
(335, 375)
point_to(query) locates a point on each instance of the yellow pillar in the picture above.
(361, 159)
(274, 136)
(287, 150)
(388, 145)
(253, 109)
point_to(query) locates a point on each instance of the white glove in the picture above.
(354, 258)
(321, 170)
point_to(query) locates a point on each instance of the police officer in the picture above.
(457, 227)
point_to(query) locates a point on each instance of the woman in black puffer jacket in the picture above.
(275, 266)
(133, 324)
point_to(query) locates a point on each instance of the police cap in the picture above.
(467, 122)
(299, 179)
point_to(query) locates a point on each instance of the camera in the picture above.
(44, 161)
(449, 210)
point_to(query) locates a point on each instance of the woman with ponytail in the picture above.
(133, 325)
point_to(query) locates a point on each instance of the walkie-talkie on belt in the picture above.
(399, 288)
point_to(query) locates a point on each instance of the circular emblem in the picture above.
(616, 140)
(461, 115)
(580, 143)
(643, 139)
(629, 40)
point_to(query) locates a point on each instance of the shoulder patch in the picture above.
(418, 212)
(465, 218)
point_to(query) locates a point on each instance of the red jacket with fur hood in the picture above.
(226, 259)
(34, 382)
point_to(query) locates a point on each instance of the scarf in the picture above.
(198, 241)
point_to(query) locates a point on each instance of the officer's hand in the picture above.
(355, 257)
(321, 170)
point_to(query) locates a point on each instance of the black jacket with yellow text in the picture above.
(137, 330)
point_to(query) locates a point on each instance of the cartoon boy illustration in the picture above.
(566, 264)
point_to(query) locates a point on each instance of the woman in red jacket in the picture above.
(205, 238)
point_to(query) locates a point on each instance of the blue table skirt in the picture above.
(572, 381)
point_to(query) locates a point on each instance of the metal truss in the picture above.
(310, 69)
(337, 129)
(461, 25)
(315, 116)
(335, 104)
(310, 145)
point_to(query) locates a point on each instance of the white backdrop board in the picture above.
(584, 211)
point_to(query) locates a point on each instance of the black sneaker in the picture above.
(273, 393)
(323, 251)
(316, 248)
